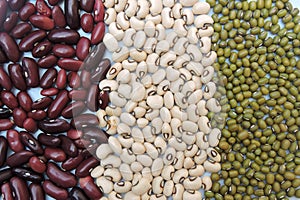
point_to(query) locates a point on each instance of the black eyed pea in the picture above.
(213, 155)
(125, 140)
(179, 160)
(120, 5)
(127, 156)
(178, 192)
(177, 112)
(138, 92)
(168, 172)
(143, 9)
(157, 167)
(114, 196)
(149, 29)
(212, 166)
(158, 185)
(142, 123)
(97, 172)
(155, 102)
(128, 119)
(158, 197)
(192, 183)
(129, 64)
(200, 157)
(156, 7)
(188, 163)
(180, 175)
(197, 171)
(176, 86)
(141, 69)
(138, 148)
(114, 111)
(136, 167)
(191, 194)
(209, 59)
(177, 143)
(145, 160)
(189, 126)
(161, 48)
(136, 23)
(131, 8)
(139, 39)
(194, 52)
(176, 10)
(168, 100)
(191, 150)
(123, 21)
(156, 19)
(116, 30)
(113, 174)
(195, 68)
(108, 85)
(209, 90)
(172, 38)
(192, 111)
(188, 3)
(180, 46)
(169, 156)
(121, 54)
(169, 3)
(115, 145)
(141, 187)
(149, 134)
(213, 105)
(103, 198)
(128, 37)
(193, 35)
(102, 116)
(180, 28)
(160, 145)
(207, 74)
(214, 137)
(151, 150)
(109, 3)
(103, 151)
(188, 137)
(124, 90)
(110, 42)
(111, 161)
(181, 100)
(131, 196)
(168, 188)
(194, 98)
(146, 173)
(114, 70)
(122, 186)
(206, 31)
(201, 8)
(206, 183)
(110, 16)
(150, 45)
(182, 61)
(204, 125)
(152, 114)
(202, 21)
(153, 61)
(105, 185)
(205, 43)
(163, 87)
(160, 33)
(117, 99)
(157, 123)
(138, 55)
(187, 16)
(167, 17)
(158, 76)
(126, 172)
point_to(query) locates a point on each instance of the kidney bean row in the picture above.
(36, 135)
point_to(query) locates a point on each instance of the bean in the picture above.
(19, 188)
(30, 142)
(54, 191)
(84, 120)
(88, 186)
(99, 11)
(83, 48)
(86, 166)
(5, 81)
(15, 4)
(64, 51)
(19, 158)
(78, 95)
(87, 22)
(42, 8)
(49, 140)
(74, 134)
(61, 178)
(55, 154)
(77, 194)
(61, 35)
(36, 192)
(17, 77)
(25, 101)
(42, 103)
(54, 126)
(74, 80)
(7, 192)
(87, 5)
(42, 22)
(92, 98)
(3, 150)
(101, 71)
(5, 124)
(10, 22)
(68, 146)
(58, 104)
(9, 47)
(3, 10)
(41, 49)
(58, 17)
(30, 125)
(3, 58)
(103, 100)
(47, 61)
(48, 78)
(72, 163)
(20, 30)
(70, 64)
(53, 2)
(31, 72)
(73, 109)
(98, 33)
(26, 11)
(95, 58)
(27, 175)
(72, 14)
(5, 175)
(19, 116)
(5, 113)
(37, 165)
(49, 92)
(28, 42)
(61, 80)
(9, 99)
(14, 141)
(95, 134)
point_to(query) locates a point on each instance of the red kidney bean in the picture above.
(37, 165)
(95, 57)
(55, 154)
(61, 80)
(77, 194)
(98, 33)
(6, 192)
(87, 22)
(99, 11)
(83, 48)
(47, 61)
(28, 42)
(85, 120)
(97, 134)
(19, 188)
(19, 158)
(49, 92)
(31, 72)
(27, 174)
(53, 2)
(48, 78)
(9, 46)
(3, 10)
(3, 150)
(86, 166)
(19, 116)
(63, 50)
(90, 150)
(37, 115)
(58, 17)
(26, 11)
(6, 124)
(16, 4)
(58, 104)
(41, 103)
(30, 125)
(74, 80)
(87, 5)
(61, 178)
(10, 22)
(90, 188)
(54, 126)
(103, 99)
(9, 99)
(73, 109)
(43, 8)
(85, 79)
(82, 143)
(20, 30)
(49, 140)
(92, 98)
(74, 134)
(25, 100)
(41, 49)
(68, 146)
(5, 113)
(78, 95)
(5, 175)
(69, 64)
(55, 191)
(29, 141)
(17, 76)
(61, 35)
(3, 58)
(72, 13)
(42, 22)
(101, 71)
(36, 192)
(5, 81)
(14, 141)
(72, 163)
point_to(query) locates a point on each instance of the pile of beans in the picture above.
(257, 43)
(161, 90)
(42, 141)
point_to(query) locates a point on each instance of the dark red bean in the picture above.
(17, 76)
(82, 143)
(6, 124)
(87, 22)
(55, 191)
(25, 101)
(85, 79)
(54, 126)
(74, 134)
(27, 174)
(3, 150)
(47, 61)
(99, 11)
(49, 92)
(103, 99)
(3, 10)
(58, 17)
(72, 163)
(36, 192)
(37, 115)
(48, 78)
(26, 11)
(92, 98)
(90, 188)
(84, 120)
(72, 13)
(49, 140)
(41, 49)
(28, 42)
(77, 194)
(43, 8)
(42, 22)
(55, 154)
(83, 48)
(20, 30)
(19, 188)
(74, 80)
(3, 58)
(41, 103)
(30, 125)
(73, 109)
(61, 178)
(29, 141)
(63, 50)
(98, 33)
(93, 133)
(9, 99)
(31, 72)
(14, 141)
(5, 81)
(68, 146)
(7, 192)
(78, 95)
(87, 5)
(10, 22)
(5, 113)
(9, 46)
(61, 80)
(94, 59)
(86, 166)
(37, 165)
(19, 116)
(16, 4)
(5, 175)
(19, 158)
(62, 35)
(69, 64)
(58, 104)
(90, 150)
(53, 2)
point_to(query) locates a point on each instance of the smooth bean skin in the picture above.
(72, 13)
(49, 140)
(68, 146)
(87, 5)
(25, 101)
(84, 120)
(36, 192)
(54, 191)
(41, 49)
(9, 99)
(20, 30)
(17, 77)
(95, 58)
(94, 133)
(84, 168)
(28, 175)
(3, 150)
(19, 158)
(53, 2)
(6, 124)
(42, 103)
(43, 8)
(30, 125)
(26, 11)
(85, 79)
(37, 115)
(3, 10)
(37, 165)
(98, 33)
(101, 71)
(14, 141)
(90, 188)
(48, 78)
(78, 95)
(64, 51)
(7, 192)
(61, 80)
(77, 194)
(16, 4)
(31, 72)
(47, 61)
(92, 98)
(55, 154)
(54, 126)
(19, 116)
(61, 178)
(10, 22)
(28, 42)
(70, 64)
(58, 104)
(74, 80)
(73, 109)
(99, 11)
(42, 22)
(87, 22)
(5, 81)
(72, 163)
(61, 35)
(5, 175)
(9, 46)
(83, 48)
(3, 58)
(19, 188)
(58, 17)
(29, 141)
